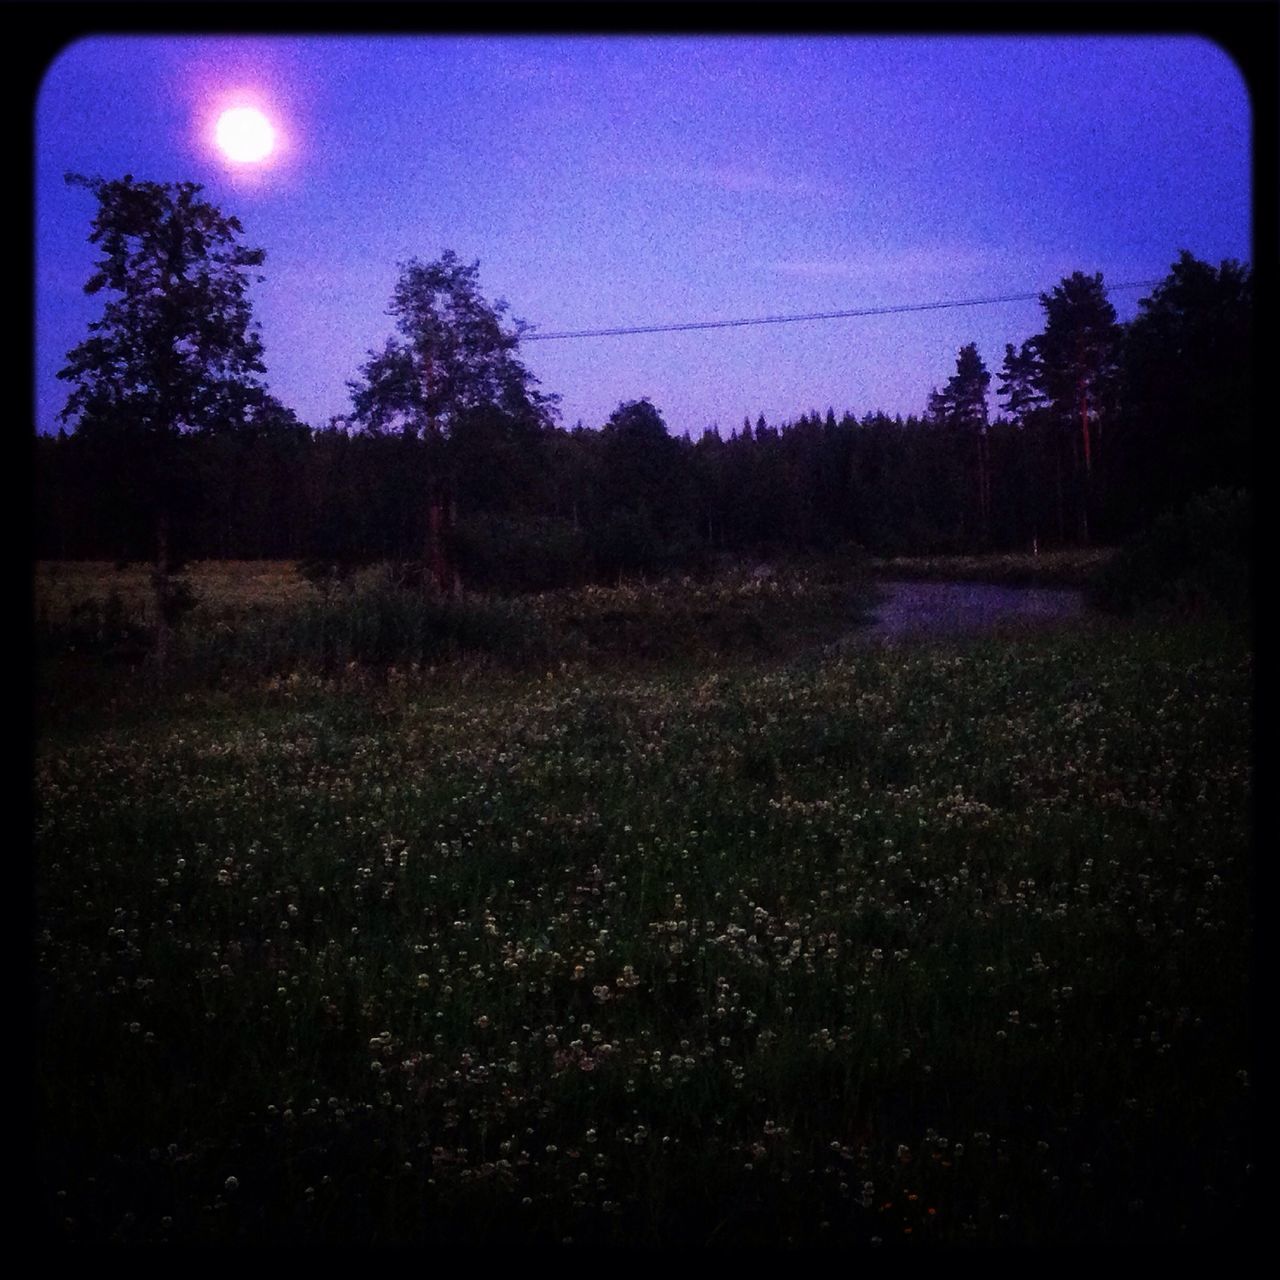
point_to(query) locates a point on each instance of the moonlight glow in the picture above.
(245, 135)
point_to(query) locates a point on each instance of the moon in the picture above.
(245, 135)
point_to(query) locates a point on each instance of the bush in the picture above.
(1192, 560)
(325, 574)
(504, 553)
(105, 628)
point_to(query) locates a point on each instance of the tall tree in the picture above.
(649, 494)
(962, 407)
(175, 351)
(1078, 355)
(455, 358)
(1188, 386)
(1019, 382)
(1023, 400)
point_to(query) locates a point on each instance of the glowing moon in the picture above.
(245, 135)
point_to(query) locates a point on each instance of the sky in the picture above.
(616, 181)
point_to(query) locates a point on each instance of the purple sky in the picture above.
(617, 181)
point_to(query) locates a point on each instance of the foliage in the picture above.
(255, 621)
(454, 356)
(963, 401)
(90, 625)
(325, 575)
(176, 348)
(1021, 381)
(1076, 567)
(1193, 559)
(1172, 419)
(1078, 351)
(1188, 416)
(379, 623)
(515, 554)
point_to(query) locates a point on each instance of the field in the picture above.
(737, 943)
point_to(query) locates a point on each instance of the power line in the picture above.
(813, 315)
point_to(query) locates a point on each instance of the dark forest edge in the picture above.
(233, 622)
(451, 464)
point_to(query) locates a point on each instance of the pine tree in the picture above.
(962, 407)
(1078, 355)
(1188, 388)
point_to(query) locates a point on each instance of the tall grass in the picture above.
(373, 621)
(376, 624)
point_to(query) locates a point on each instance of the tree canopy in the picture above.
(1078, 351)
(1188, 384)
(963, 402)
(455, 354)
(176, 348)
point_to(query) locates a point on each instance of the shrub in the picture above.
(107, 628)
(1192, 560)
(505, 553)
(325, 574)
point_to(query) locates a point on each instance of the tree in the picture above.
(1019, 382)
(641, 459)
(176, 350)
(1077, 356)
(1022, 398)
(1188, 381)
(455, 359)
(644, 487)
(962, 407)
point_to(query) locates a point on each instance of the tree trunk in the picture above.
(160, 586)
(984, 491)
(1088, 463)
(1057, 478)
(437, 570)
(451, 550)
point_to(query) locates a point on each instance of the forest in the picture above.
(452, 455)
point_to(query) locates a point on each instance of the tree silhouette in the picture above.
(176, 349)
(1078, 358)
(962, 407)
(455, 359)
(1188, 386)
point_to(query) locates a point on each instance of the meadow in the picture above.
(677, 927)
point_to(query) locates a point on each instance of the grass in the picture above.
(944, 944)
(1070, 567)
(257, 621)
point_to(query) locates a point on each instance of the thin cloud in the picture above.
(750, 181)
(735, 179)
(892, 265)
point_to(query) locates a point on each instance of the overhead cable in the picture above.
(530, 336)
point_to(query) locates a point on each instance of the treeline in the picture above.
(1101, 427)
